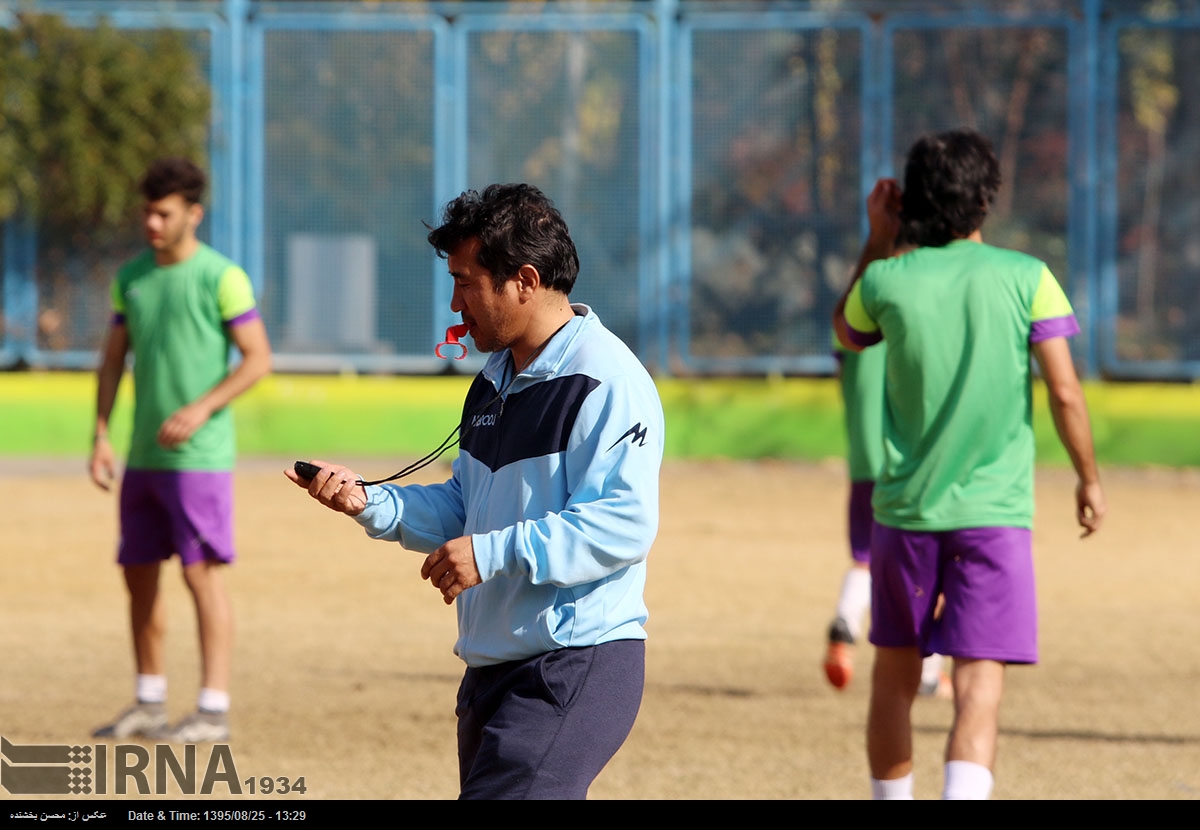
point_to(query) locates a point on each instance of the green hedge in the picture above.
(51, 414)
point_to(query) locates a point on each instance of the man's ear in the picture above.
(528, 280)
(195, 215)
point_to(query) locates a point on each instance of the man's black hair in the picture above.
(950, 182)
(174, 175)
(516, 224)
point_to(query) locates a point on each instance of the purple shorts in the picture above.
(986, 575)
(861, 518)
(164, 512)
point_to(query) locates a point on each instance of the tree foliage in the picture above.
(82, 111)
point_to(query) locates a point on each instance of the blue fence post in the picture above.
(450, 168)
(665, 230)
(236, 166)
(20, 288)
(1082, 238)
(877, 111)
(1104, 282)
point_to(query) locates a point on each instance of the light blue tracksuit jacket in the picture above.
(557, 484)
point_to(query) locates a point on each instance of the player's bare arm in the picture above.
(102, 464)
(883, 216)
(251, 340)
(334, 486)
(451, 568)
(1069, 408)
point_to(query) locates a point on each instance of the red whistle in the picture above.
(452, 335)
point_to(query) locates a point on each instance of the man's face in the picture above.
(493, 317)
(169, 222)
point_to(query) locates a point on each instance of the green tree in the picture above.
(82, 112)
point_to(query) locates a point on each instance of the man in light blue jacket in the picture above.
(541, 534)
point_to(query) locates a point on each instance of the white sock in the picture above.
(967, 781)
(213, 700)
(151, 688)
(854, 602)
(931, 670)
(896, 789)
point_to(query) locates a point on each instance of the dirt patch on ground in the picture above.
(344, 674)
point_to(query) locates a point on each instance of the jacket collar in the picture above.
(550, 359)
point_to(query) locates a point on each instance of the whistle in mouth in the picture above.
(452, 335)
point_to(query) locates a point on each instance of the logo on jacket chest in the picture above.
(486, 420)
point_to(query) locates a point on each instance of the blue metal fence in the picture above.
(710, 158)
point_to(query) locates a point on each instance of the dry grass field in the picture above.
(344, 674)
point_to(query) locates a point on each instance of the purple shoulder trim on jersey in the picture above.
(118, 319)
(245, 317)
(1066, 326)
(863, 339)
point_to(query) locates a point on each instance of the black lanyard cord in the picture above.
(458, 433)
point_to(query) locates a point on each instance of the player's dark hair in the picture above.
(166, 176)
(516, 225)
(950, 182)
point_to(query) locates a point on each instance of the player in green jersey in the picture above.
(860, 380)
(953, 505)
(178, 308)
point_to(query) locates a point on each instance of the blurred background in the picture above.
(710, 158)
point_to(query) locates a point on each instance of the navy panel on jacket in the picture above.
(541, 418)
